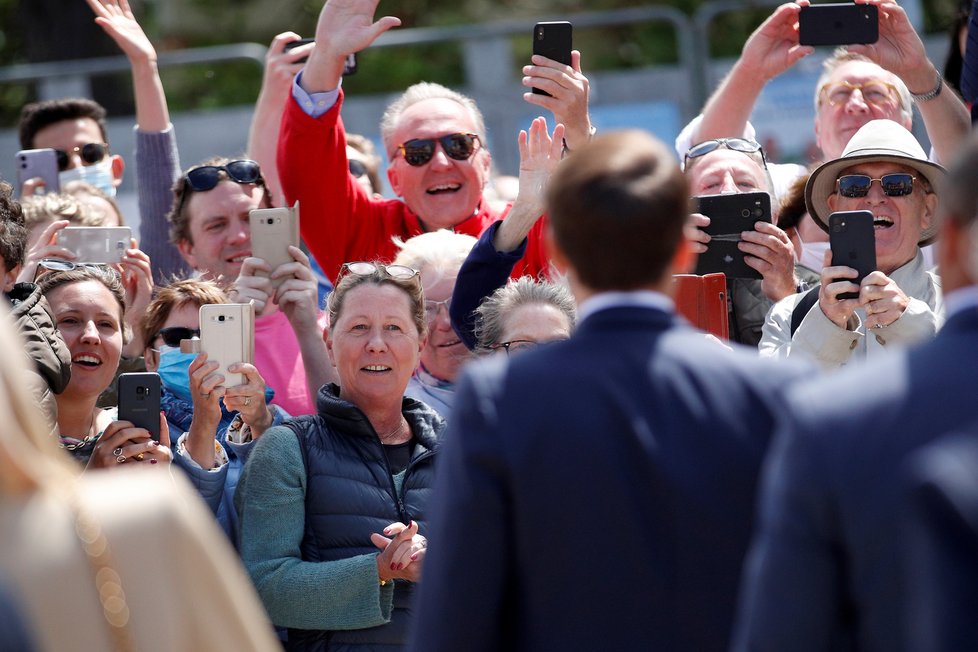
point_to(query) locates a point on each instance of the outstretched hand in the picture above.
(899, 48)
(540, 153)
(773, 47)
(569, 91)
(116, 18)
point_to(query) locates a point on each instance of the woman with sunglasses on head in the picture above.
(332, 506)
(212, 430)
(88, 305)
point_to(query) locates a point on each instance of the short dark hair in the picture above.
(13, 230)
(38, 115)
(617, 209)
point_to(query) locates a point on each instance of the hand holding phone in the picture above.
(730, 215)
(349, 66)
(96, 244)
(33, 164)
(553, 40)
(273, 230)
(843, 23)
(852, 240)
(227, 336)
(139, 401)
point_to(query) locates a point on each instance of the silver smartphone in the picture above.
(227, 336)
(96, 244)
(38, 164)
(272, 231)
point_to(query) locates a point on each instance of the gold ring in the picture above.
(140, 457)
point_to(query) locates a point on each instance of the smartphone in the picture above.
(730, 215)
(349, 67)
(139, 401)
(272, 231)
(838, 24)
(852, 240)
(96, 244)
(553, 40)
(38, 163)
(227, 336)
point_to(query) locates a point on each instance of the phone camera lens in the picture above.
(745, 212)
(837, 229)
(140, 390)
(270, 221)
(220, 318)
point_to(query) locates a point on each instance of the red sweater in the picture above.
(341, 222)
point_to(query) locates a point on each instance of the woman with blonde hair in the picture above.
(85, 556)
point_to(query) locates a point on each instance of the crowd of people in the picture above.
(510, 380)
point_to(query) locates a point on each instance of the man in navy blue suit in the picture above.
(825, 571)
(597, 493)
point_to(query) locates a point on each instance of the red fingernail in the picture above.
(156, 443)
(414, 557)
(154, 461)
(393, 567)
(400, 566)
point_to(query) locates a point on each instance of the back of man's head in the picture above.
(38, 115)
(617, 209)
(13, 232)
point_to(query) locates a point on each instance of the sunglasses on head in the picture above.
(357, 168)
(744, 145)
(897, 184)
(90, 153)
(419, 151)
(58, 265)
(206, 177)
(173, 334)
(364, 268)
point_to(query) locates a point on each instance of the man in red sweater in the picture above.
(435, 141)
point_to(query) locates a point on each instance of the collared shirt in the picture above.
(314, 104)
(630, 299)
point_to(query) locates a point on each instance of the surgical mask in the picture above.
(98, 175)
(174, 373)
(812, 254)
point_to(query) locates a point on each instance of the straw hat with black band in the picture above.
(877, 141)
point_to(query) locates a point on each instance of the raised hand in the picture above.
(569, 91)
(116, 18)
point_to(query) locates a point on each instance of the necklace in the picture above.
(393, 433)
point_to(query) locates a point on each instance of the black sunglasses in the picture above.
(357, 168)
(898, 184)
(744, 145)
(419, 151)
(90, 154)
(206, 177)
(172, 335)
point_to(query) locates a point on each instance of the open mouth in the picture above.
(376, 369)
(86, 360)
(882, 222)
(239, 258)
(445, 345)
(444, 188)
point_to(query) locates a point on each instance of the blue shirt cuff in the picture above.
(314, 104)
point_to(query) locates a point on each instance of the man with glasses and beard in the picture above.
(435, 140)
(882, 170)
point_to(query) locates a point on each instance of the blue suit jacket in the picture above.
(825, 570)
(597, 493)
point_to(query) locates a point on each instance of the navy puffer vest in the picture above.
(350, 494)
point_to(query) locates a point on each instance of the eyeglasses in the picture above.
(173, 334)
(419, 151)
(432, 307)
(357, 168)
(898, 184)
(875, 91)
(515, 346)
(364, 268)
(90, 153)
(206, 177)
(744, 145)
(59, 265)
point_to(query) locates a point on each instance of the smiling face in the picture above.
(90, 321)
(898, 220)
(836, 124)
(724, 171)
(445, 352)
(219, 228)
(374, 345)
(443, 192)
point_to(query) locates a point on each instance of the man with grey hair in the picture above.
(435, 141)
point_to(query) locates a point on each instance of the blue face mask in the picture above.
(98, 175)
(174, 373)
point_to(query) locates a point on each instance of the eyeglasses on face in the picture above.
(431, 308)
(419, 151)
(898, 184)
(364, 268)
(875, 91)
(515, 346)
(90, 153)
(206, 177)
(743, 145)
(173, 334)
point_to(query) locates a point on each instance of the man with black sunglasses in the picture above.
(882, 170)
(435, 139)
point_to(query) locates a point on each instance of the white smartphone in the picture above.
(272, 231)
(38, 163)
(96, 244)
(227, 336)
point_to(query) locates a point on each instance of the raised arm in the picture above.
(768, 52)
(900, 50)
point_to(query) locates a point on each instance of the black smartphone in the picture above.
(840, 23)
(730, 215)
(349, 68)
(553, 40)
(852, 240)
(38, 164)
(139, 401)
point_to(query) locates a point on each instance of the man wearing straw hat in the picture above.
(884, 170)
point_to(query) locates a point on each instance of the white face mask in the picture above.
(98, 175)
(812, 253)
